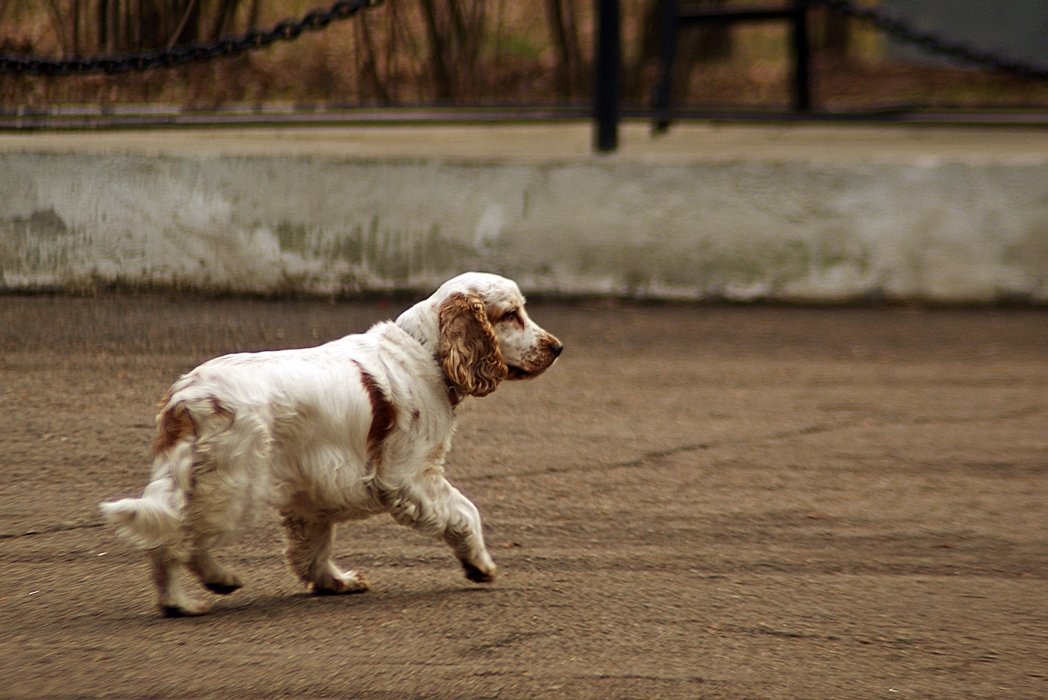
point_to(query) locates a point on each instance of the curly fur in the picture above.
(469, 350)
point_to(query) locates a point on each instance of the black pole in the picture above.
(801, 50)
(606, 79)
(660, 103)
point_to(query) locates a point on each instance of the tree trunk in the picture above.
(437, 48)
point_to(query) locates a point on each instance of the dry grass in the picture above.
(384, 57)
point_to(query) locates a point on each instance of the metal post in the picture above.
(606, 80)
(660, 103)
(801, 51)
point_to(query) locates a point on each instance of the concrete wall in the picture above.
(932, 230)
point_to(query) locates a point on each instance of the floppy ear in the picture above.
(469, 351)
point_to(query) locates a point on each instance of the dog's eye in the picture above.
(513, 315)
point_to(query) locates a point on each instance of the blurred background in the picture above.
(503, 54)
(954, 213)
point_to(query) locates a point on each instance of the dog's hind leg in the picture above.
(171, 596)
(308, 554)
(215, 577)
(215, 509)
(228, 486)
(153, 522)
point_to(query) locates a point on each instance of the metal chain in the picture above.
(286, 30)
(899, 29)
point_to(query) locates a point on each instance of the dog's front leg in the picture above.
(463, 534)
(441, 509)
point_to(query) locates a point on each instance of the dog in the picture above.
(342, 431)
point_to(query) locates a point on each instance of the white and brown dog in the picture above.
(342, 431)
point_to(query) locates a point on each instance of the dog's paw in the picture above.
(187, 609)
(344, 582)
(213, 576)
(222, 588)
(225, 585)
(477, 575)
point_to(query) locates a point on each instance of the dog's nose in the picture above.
(556, 348)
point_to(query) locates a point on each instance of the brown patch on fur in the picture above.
(176, 422)
(469, 351)
(173, 423)
(383, 415)
(219, 410)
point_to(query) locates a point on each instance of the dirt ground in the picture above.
(736, 502)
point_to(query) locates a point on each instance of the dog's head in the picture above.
(484, 335)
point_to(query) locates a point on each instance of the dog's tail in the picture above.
(155, 519)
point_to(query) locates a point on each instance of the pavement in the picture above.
(694, 501)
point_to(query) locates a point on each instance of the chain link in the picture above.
(899, 29)
(286, 30)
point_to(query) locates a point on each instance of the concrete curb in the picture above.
(791, 215)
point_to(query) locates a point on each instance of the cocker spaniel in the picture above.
(342, 431)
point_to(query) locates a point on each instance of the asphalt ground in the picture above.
(695, 501)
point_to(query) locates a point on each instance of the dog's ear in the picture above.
(469, 351)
